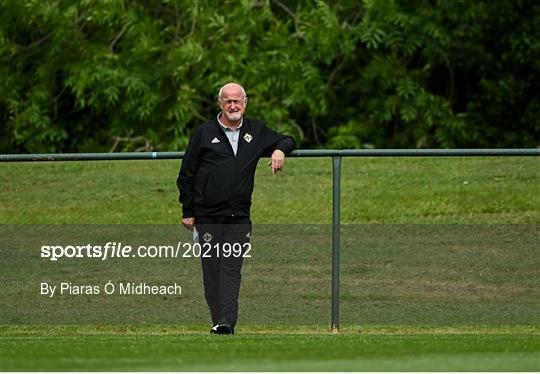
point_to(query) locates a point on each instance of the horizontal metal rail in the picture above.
(297, 153)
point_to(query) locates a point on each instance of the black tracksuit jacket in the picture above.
(212, 180)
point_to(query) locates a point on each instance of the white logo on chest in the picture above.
(215, 140)
(248, 137)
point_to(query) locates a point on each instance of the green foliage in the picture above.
(139, 75)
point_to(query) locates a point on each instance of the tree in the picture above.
(141, 75)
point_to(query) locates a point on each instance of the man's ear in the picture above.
(219, 104)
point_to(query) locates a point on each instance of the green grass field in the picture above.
(439, 269)
(273, 348)
(374, 190)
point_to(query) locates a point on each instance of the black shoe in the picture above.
(213, 330)
(224, 329)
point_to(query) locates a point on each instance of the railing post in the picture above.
(336, 176)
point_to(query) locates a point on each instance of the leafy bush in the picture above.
(141, 75)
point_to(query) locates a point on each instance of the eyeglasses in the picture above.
(235, 102)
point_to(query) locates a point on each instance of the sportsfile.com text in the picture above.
(119, 250)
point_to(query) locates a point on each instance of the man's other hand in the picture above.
(188, 223)
(277, 161)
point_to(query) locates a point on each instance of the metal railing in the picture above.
(336, 179)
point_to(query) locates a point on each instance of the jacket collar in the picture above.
(244, 128)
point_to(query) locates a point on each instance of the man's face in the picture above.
(232, 103)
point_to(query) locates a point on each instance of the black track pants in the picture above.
(224, 241)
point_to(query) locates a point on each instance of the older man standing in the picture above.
(215, 183)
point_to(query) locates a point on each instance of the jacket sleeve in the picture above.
(275, 140)
(186, 177)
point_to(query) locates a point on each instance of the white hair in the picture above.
(221, 92)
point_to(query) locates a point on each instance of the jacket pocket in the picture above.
(218, 188)
(201, 181)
